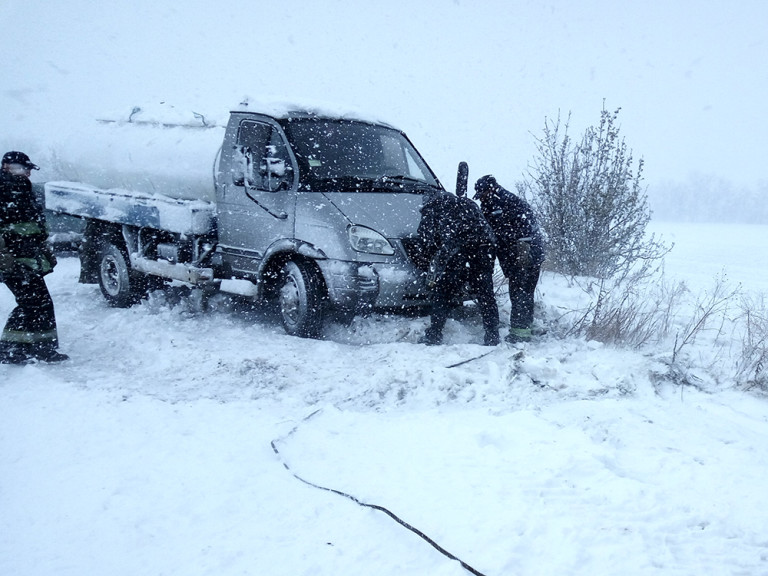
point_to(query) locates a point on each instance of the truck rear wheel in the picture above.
(119, 284)
(300, 300)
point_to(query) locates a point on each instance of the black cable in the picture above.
(389, 513)
(470, 360)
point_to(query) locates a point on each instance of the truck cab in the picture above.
(321, 204)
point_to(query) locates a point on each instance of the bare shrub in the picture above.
(752, 364)
(590, 198)
(644, 308)
(500, 283)
(708, 314)
(631, 311)
(710, 307)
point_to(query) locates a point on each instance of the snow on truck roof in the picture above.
(163, 114)
(294, 110)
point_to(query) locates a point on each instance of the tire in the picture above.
(119, 284)
(300, 300)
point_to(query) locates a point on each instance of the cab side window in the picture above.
(261, 158)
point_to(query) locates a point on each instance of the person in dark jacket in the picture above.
(459, 245)
(520, 248)
(30, 332)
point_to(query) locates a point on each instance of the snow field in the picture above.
(149, 451)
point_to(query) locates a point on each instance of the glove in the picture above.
(431, 277)
(439, 264)
(523, 253)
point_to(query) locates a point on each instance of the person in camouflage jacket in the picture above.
(25, 258)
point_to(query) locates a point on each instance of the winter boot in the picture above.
(52, 356)
(11, 354)
(431, 337)
(491, 339)
(518, 335)
(48, 354)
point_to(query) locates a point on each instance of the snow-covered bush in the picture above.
(752, 365)
(590, 200)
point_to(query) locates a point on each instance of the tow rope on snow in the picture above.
(470, 359)
(516, 356)
(359, 502)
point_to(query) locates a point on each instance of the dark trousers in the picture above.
(522, 287)
(31, 327)
(475, 268)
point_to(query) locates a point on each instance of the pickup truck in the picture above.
(306, 211)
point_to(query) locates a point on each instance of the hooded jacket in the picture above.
(512, 220)
(449, 222)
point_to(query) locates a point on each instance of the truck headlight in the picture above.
(369, 241)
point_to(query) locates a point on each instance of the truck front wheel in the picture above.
(117, 282)
(301, 300)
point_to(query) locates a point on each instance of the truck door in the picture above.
(257, 207)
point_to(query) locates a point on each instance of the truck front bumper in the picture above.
(361, 286)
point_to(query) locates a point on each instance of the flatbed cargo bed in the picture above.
(138, 209)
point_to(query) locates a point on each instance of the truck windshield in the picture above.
(344, 155)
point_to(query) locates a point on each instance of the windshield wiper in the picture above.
(400, 181)
(345, 184)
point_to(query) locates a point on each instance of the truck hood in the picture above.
(393, 215)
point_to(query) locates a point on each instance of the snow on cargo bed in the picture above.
(130, 207)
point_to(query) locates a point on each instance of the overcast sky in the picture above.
(468, 80)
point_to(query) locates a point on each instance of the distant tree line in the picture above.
(709, 199)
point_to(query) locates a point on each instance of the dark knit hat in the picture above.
(19, 158)
(485, 184)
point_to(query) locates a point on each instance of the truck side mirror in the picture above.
(462, 177)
